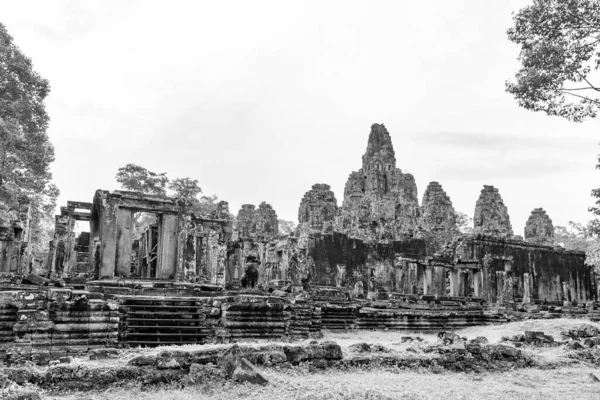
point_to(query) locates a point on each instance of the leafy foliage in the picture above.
(560, 51)
(580, 237)
(286, 227)
(25, 149)
(464, 224)
(595, 210)
(139, 179)
(185, 188)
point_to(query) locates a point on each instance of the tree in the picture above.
(582, 238)
(560, 51)
(464, 224)
(25, 149)
(286, 227)
(206, 205)
(139, 179)
(185, 188)
(595, 210)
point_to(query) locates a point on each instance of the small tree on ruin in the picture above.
(139, 179)
(560, 57)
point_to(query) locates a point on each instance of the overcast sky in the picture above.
(260, 100)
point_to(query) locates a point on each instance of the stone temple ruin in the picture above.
(153, 270)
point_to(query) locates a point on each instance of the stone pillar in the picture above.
(428, 280)
(454, 284)
(486, 289)
(526, 289)
(109, 240)
(500, 275)
(477, 275)
(439, 280)
(413, 279)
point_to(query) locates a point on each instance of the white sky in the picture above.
(260, 100)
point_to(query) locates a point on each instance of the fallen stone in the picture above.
(592, 342)
(332, 351)
(478, 340)
(140, 361)
(360, 347)
(448, 338)
(319, 364)
(200, 373)
(228, 360)
(246, 372)
(65, 360)
(24, 395)
(35, 280)
(574, 345)
(103, 354)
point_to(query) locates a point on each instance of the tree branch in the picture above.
(585, 98)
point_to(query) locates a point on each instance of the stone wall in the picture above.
(350, 263)
(536, 272)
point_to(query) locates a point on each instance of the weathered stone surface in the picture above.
(491, 215)
(380, 201)
(246, 372)
(318, 209)
(539, 228)
(259, 224)
(24, 395)
(246, 221)
(438, 216)
(266, 222)
(201, 373)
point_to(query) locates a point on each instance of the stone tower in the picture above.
(318, 209)
(491, 215)
(259, 224)
(246, 221)
(539, 228)
(267, 227)
(438, 215)
(380, 201)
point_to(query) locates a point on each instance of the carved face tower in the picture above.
(380, 201)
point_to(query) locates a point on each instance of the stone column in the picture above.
(526, 289)
(477, 282)
(428, 280)
(454, 284)
(412, 273)
(439, 280)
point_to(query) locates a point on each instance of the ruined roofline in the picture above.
(521, 243)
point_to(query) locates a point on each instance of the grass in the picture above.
(566, 380)
(565, 383)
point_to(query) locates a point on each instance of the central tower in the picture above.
(380, 201)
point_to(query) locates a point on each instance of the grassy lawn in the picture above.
(566, 383)
(566, 380)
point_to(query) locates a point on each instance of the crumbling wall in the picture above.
(342, 261)
(542, 273)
